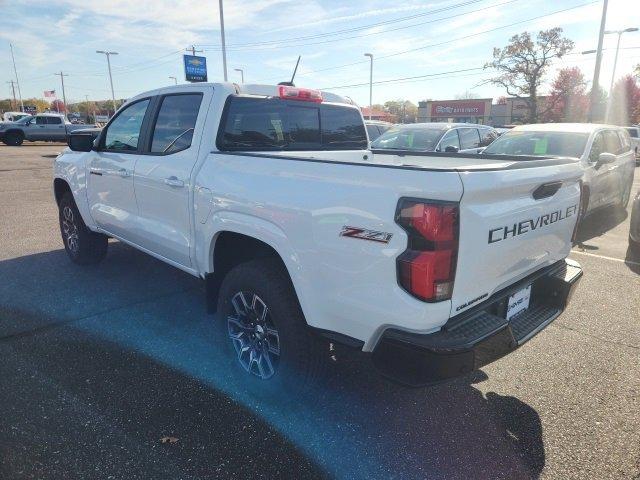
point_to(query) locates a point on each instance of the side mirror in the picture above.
(81, 142)
(451, 149)
(605, 158)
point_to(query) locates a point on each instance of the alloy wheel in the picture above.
(70, 229)
(254, 337)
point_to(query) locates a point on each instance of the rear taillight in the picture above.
(302, 94)
(427, 268)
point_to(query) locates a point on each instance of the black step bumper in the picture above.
(480, 335)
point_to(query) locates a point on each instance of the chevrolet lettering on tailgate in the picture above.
(520, 228)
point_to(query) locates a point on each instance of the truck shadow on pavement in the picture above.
(101, 363)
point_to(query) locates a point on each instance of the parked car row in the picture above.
(605, 153)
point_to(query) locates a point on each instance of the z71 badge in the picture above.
(364, 234)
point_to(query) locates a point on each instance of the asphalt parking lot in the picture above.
(99, 365)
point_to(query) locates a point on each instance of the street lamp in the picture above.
(113, 96)
(175, 80)
(241, 73)
(615, 63)
(224, 48)
(370, 55)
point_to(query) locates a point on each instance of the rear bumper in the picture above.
(478, 336)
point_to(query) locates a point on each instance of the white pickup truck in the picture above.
(435, 264)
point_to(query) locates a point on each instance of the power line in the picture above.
(382, 32)
(347, 30)
(335, 67)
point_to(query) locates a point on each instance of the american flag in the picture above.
(49, 93)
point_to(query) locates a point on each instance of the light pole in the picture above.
(615, 63)
(241, 73)
(113, 96)
(64, 96)
(15, 70)
(596, 70)
(370, 55)
(224, 48)
(175, 80)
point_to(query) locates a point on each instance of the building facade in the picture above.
(455, 111)
(506, 111)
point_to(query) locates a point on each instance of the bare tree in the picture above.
(466, 95)
(522, 64)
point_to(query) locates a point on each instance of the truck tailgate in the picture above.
(512, 222)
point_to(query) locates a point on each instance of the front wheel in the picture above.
(83, 246)
(14, 139)
(269, 348)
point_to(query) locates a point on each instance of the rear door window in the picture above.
(625, 140)
(176, 121)
(487, 136)
(469, 138)
(612, 142)
(54, 120)
(257, 124)
(450, 139)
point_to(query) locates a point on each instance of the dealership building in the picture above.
(506, 111)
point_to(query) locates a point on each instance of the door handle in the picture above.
(96, 171)
(173, 181)
(124, 173)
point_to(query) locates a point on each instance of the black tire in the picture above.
(83, 246)
(13, 139)
(301, 361)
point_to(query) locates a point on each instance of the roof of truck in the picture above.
(242, 89)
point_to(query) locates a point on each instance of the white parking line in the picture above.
(628, 262)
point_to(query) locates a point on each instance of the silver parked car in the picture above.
(604, 152)
(436, 137)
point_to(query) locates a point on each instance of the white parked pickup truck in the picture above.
(433, 263)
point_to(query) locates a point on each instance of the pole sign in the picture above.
(195, 68)
(31, 109)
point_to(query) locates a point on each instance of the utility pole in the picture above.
(596, 72)
(370, 55)
(224, 48)
(64, 96)
(113, 96)
(14, 105)
(615, 63)
(15, 70)
(193, 51)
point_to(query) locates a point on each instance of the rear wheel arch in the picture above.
(229, 249)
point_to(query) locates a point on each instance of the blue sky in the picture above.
(266, 36)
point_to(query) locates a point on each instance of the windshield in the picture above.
(544, 144)
(396, 138)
